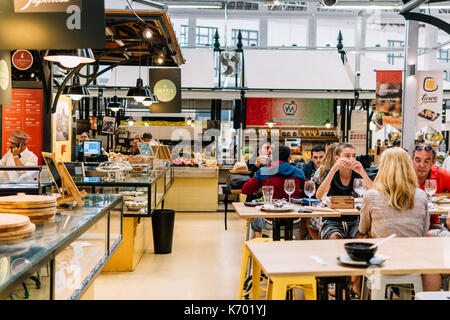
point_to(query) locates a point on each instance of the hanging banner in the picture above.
(165, 83)
(25, 114)
(388, 99)
(288, 112)
(5, 77)
(429, 99)
(55, 24)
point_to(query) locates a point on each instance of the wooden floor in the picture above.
(204, 264)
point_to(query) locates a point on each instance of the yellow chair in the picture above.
(278, 286)
(244, 266)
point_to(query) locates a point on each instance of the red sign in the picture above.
(24, 114)
(22, 59)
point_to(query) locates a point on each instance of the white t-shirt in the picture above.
(27, 157)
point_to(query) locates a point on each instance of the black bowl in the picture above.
(360, 251)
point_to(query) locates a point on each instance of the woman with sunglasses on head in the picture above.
(18, 154)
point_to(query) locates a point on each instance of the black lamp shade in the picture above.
(115, 105)
(139, 91)
(75, 89)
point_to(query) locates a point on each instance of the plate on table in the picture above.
(377, 260)
(272, 208)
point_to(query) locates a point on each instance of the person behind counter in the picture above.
(79, 150)
(18, 154)
(148, 137)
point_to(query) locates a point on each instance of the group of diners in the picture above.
(394, 201)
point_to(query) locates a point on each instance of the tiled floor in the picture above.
(204, 264)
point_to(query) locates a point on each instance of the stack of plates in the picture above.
(36, 207)
(15, 226)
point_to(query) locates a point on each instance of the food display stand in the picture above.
(62, 258)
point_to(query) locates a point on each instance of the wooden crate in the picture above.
(342, 202)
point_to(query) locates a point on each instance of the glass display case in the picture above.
(142, 193)
(30, 180)
(63, 257)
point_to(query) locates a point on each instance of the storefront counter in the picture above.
(194, 190)
(63, 257)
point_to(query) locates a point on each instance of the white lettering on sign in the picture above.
(37, 3)
(74, 20)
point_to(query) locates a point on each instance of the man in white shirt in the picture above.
(18, 155)
(148, 137)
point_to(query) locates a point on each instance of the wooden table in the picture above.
(285, 262)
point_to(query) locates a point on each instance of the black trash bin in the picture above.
(162, 225)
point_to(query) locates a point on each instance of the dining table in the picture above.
(286, 262)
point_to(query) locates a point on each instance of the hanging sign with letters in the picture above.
(429, 99)
(52, 24)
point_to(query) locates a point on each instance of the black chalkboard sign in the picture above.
(145, 150)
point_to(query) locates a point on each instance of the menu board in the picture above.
(144, 148)
(25, 114)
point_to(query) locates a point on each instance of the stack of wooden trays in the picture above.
(38, 208)
(15, 226)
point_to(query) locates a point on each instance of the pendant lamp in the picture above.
(115, 105)
(76, 91)
(70, 59)
(139, 93)
(149, 101)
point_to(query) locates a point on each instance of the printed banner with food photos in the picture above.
(289, 111)
(429, 99)
(388, 99)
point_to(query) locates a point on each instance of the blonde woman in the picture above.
(395, 204)
(315, 224)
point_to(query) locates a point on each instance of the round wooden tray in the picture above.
(13, 221)
(24, 232)
(24, 200)
(29, 211)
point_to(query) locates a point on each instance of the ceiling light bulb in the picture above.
(139, 99)
(328, 124)
(70, 62)
(148, 33)
(146, 124)
(114, 109)
(76, 97)
(130, 123)
(276, 3)
(160, 60)
(147, 103)
(188, 121)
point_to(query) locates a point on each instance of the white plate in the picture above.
(272, 208)
(377, 260)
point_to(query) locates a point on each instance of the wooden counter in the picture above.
(194, 190)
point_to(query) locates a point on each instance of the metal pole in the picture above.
(411, 5)
(410, 85)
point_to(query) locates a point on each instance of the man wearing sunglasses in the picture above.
(424, 159)
(18, 154)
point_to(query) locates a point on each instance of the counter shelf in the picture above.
(64, 256)
(28, 181)
(156, 186)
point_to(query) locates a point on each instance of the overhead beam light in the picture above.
(147, 33)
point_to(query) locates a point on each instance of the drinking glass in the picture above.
(430, 189)
(268, 194)
(359, 185)
(310, 189)
(289, 187)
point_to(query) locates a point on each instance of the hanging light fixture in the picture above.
(147, 33)
(139, 93)
(70, 59)
(328, 122)
(149, 101)
(76, 92)
(115, 105)
(270, 123)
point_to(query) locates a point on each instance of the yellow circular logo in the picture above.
(4, 75)
(165, 90)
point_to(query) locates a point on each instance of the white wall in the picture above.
(286, 32)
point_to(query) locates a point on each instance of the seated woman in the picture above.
(395, 204)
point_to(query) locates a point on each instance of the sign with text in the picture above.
(25, 114)
(5, 77)
(145, 149)
(24, 6)
(52, 24)
(388, 99)
(22, 59)
(289, 112)
(165, 83)
(429, 99)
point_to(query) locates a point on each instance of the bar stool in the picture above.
(228, 191)
(378, 290)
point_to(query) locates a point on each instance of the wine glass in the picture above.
(430, 189)
(289, 187)
(310, 189)
(359, 185)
